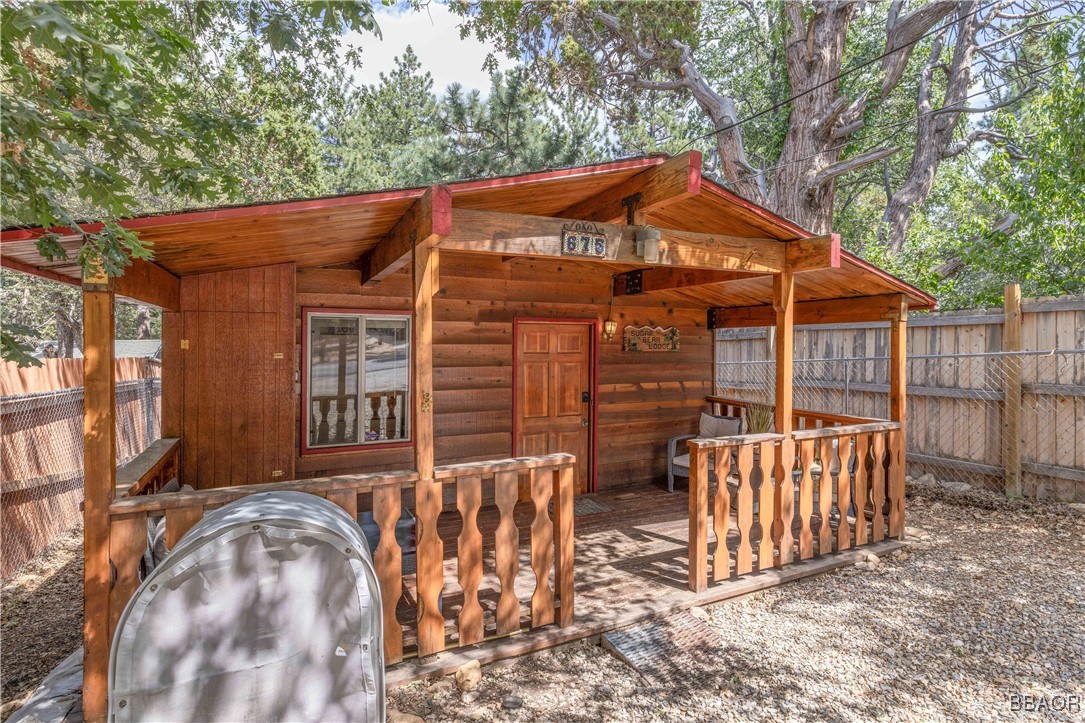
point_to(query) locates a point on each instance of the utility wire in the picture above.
(835, 78)
(899, 125)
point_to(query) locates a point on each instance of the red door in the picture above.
(553, 392)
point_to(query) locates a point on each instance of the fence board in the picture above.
(956, 381)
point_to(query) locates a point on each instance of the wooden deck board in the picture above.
(635, 553)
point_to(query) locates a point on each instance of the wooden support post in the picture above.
(1011, 412)
(425, 286)
(698, 518)
(783, 302)
(898, 412)
(100, 473)
(563, 543)
(428, 495)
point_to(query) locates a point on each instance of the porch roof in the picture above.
(338, 230)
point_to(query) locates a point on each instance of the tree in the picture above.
(399, 133)
(516, 128)
(108, 103)
(734, 58)
(382, 120)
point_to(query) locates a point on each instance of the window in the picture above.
(358, 374)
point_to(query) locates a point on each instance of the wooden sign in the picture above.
(583, 239)
(647, 338)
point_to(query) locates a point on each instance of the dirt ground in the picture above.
(987, 604)
(42, 618)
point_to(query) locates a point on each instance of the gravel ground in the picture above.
(42, 620)
(989, 602)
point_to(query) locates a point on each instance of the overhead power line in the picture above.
(898, 126)
(848, 71)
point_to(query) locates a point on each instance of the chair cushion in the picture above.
(713, 426)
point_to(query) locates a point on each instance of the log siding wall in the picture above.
(643, 398)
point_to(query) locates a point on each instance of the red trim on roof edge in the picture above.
(714, 187)
(931, 302)
(326, 202)
(218, 214)
(539, 176)
(761, 211)
(23, 268)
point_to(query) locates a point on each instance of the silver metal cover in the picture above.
(267, 609)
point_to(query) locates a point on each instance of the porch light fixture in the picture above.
(648, 243)
(610, 326)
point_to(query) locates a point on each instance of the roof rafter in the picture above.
(672, 181)
(424, 224)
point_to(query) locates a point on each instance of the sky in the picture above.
(434, 34)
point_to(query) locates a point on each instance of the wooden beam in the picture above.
(510, 234)
(100, 473)
(149, 283)
(424, 224)
(675, 180)
(883, 307)
(644, 281)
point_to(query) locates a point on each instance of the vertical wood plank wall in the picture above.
(643, 398)
(237, 375)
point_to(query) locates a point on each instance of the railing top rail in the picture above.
(977, 354)
(737, 440)
(222, 495)
(829, 432)
(514, 464)
(141, 469)
(826, 416)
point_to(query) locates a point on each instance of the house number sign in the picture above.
(583, 239)
(647, 338)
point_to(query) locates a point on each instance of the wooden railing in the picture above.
(850, 475)
(551, 541)
(151, 469)
(381, 417)
(803, 418)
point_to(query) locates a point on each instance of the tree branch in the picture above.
(983, 135)
(903, 33)
(995, 106)
(850, 164)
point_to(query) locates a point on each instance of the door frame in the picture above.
(593, 384)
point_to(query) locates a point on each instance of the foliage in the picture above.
(401, 134)
(516, 128)
(109, 102)
(383, 119)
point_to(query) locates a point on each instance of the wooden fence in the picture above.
(41, 449)
(996, 397)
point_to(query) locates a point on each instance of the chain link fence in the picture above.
(964, 412)
(41, 460)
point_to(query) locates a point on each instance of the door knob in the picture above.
(583, 422)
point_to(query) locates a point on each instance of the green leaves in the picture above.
(116, 108)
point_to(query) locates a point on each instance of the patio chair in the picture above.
(711, 426)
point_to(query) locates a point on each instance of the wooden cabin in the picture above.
(472, 353)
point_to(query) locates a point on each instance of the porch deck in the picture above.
(632, 564)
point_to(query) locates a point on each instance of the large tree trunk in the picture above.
(934, 130)
(815, 53)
